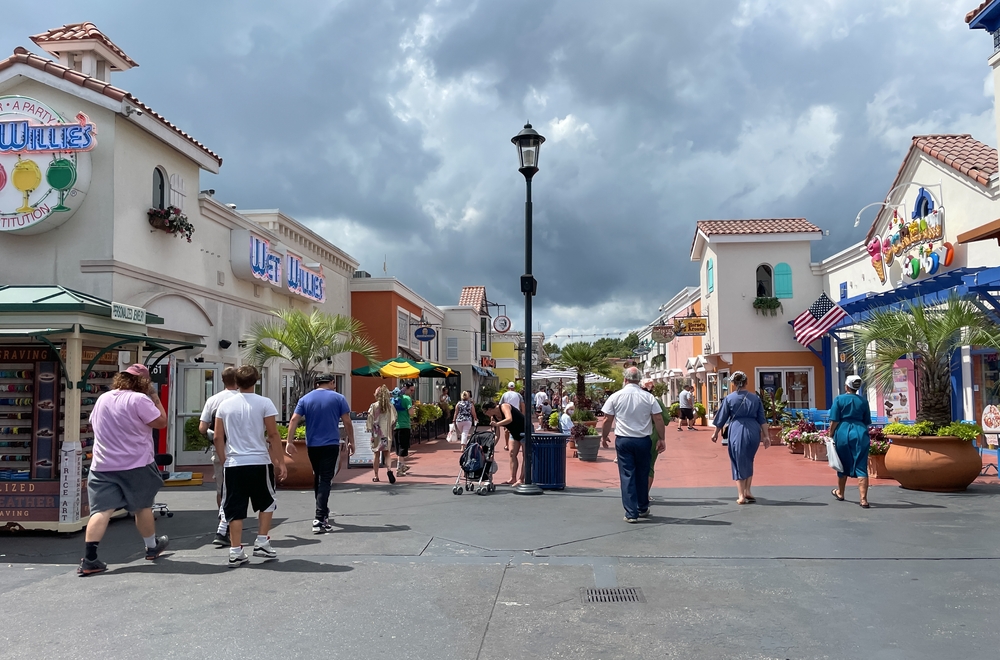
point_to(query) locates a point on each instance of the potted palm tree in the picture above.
(934, 454)
(586, 359)
(306, 341)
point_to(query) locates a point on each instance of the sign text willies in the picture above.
(305, 282)
(21, 137)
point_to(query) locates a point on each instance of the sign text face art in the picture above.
(917, 243)
(44, 165)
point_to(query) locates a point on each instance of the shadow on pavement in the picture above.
(364, 529)
(665, 520)
(669, 502)
(294, 542)
(763, 502)
(166, 566)
(906, 505)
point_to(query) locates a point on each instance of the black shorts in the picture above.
(687, 413)
(248, 484)
(401, 439)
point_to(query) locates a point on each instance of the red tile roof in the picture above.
(80, 32)
(473, 296)
(963, 153)
(971, 16)
(22, 56)
(770, 226)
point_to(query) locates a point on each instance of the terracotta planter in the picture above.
(819, 451)
(587, 447)
(877, 468)
(590, 424)
(775, 434)
(940, 464)
(796, 447)
(300, 473)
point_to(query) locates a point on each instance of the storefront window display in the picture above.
(795, 383)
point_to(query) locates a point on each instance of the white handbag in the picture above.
(452, 433)
(832, 457)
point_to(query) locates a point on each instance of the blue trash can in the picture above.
(548, 460)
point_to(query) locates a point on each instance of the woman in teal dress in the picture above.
(850, 418)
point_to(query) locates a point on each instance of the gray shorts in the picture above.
(220, 474)
(131, 490)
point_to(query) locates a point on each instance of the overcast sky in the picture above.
(386, 126)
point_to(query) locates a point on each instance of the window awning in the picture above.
(485, 373)
(44, 299)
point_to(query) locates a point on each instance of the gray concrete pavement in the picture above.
(416, 572)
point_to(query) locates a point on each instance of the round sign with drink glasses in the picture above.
(501, 324)
(44, 165)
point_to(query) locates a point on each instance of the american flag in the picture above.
(813, 323)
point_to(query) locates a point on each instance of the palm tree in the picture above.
(306, 341)
(932, 335)
(585, 358)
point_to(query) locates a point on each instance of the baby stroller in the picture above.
(477, 464)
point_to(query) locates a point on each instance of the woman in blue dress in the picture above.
(850, 418)
(744, 413)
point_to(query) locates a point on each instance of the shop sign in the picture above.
(662, 334)
(425, 333)
(991, 424)
(264, 264)
(71, 467)
(501, 324)
(916, 243)
(26, 354)
(691, 326)
(35, 501)
(128, 313)
(488, 362)
(304, 282)
(44, 165)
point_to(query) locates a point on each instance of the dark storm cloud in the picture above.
(386, 125)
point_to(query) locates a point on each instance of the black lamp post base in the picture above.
(528, 489)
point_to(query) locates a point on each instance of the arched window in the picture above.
(159, 189)
(782, 281)
(765, 281)
(710, 275)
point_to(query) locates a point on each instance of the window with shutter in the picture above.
(782, 281)
(710, 275)
(177, 194)
(452, 348)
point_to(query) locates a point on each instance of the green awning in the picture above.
(40, 299)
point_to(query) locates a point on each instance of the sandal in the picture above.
(376, 479)
(751, 500)
(741, 501)
(865, 505)
(839, 498)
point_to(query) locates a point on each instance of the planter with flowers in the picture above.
(172, 221)
(792, 437)
(876, 453)
(815, 445)
(940, 459)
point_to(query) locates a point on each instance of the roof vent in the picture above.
(362, 273)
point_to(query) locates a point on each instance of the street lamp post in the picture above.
(528, 143)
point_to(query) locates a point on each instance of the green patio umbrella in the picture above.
(403, 368)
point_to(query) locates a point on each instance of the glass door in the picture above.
(770, 381)
(797, 389)
(196, 382)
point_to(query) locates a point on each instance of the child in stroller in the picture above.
(477, 464)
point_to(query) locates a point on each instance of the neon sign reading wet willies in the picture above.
(21, 137)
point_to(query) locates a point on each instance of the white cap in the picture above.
(510, 385)
(853, 382)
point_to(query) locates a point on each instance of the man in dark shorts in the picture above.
(401, 434)
(322, 409)
(686, 400)
(250, 463)
(123, 474)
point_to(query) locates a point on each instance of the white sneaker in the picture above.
(237, 557)
(264, 549)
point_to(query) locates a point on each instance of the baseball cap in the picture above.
(510, 385)
(138, 370)
(853, 382)
(325, 378)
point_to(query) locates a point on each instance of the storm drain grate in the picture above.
(614, 595)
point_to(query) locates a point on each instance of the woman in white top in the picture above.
(380, 423)
(465, 417)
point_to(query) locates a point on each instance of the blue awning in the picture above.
(485, 373)
(982, 282)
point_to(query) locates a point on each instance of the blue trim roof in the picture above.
(988, 19)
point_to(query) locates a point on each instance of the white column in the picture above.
(71, 458)
(968, 407)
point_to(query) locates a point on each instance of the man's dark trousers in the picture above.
(633, 470)
(324, 465)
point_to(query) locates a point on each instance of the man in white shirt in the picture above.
(512, 398)
(686, 400)
(250, 463)
(206, 426)
(633, 413)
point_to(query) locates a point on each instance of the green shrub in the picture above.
(910, 430)
(699, 410)
(554, 420)
(300, 432)
(193, 439)
(968, 432)
(584, 416)
(675, 410)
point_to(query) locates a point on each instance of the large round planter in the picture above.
(796, 448)
(940, 464)
(300, 472)
(877, 468)
(587, 446)
(775, 434)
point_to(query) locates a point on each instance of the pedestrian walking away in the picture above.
(633, 413)
(850, 417)
(506, 416)
(323, 410)
(465, 417)
(247, 441)
(647, 384)
(206, 426)
(514, 398)
(380, 424)
(123, 473)
(686, 400)
(402, 401)
(743, 413)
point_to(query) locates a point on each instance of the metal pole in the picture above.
(526, 487)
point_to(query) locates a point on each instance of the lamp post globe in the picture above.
(528, 143)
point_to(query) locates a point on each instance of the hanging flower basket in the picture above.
(767, 305)
(172, 221)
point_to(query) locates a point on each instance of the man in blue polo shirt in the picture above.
(322, 409)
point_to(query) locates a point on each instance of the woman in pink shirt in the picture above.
(123, 474)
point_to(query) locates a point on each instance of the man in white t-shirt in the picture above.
(206, 426)
(686, 401)
(512, 398)
(633, 413)
(250, 463)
